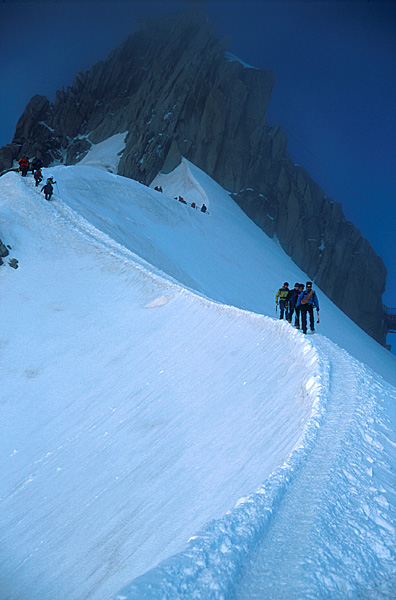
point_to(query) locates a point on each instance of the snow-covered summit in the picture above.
(233, 58)
(148, 389)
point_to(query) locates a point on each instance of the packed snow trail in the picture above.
(135, 410)
(138, 413)
(225, 256)
(315, 547)
(323, 526)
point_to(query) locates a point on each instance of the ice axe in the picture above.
(318, 317)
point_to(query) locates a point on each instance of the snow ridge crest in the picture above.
(209, 565)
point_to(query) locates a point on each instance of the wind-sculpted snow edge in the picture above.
(335, 486)
(209, 565)
(207, 568)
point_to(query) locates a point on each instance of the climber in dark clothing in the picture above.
(38, 176)
(297, 308)
(37, 164)
(48, 188)
(307, 300)
(292, 300)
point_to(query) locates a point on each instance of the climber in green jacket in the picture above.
(281, 299)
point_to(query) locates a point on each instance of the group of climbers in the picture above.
(25, 166)
(193, 204)
(300, 302)
(158, 188)
(35, 167)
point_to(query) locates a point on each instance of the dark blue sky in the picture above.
(335, 84)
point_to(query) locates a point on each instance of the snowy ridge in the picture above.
(147, 397)
(181, 182)
(337, 512)
(91, 318)
(299, 555)
(105, 155)
(211, 562)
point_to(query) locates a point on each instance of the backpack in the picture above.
(307, 298)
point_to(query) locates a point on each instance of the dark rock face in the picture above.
(13, 263)
(174, 90)
(3, 250)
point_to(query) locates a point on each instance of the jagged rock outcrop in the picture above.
(3, 250)
(176, 92)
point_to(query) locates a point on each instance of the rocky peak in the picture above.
(176, 92)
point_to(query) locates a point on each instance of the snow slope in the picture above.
(105, 155)
(145, 395)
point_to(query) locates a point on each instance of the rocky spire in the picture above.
(177, 92)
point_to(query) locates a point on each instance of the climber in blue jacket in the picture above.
(307, 300)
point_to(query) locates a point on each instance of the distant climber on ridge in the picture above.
(38, 177)
(36, 164)
(23, 166)
(48, 188)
